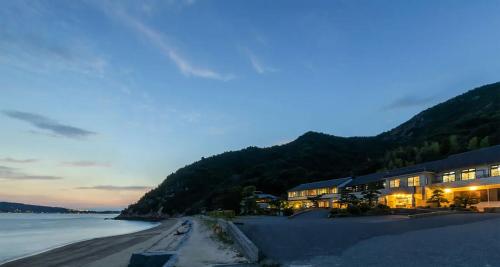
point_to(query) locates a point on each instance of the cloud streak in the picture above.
(158, 40)
(115, 188)
(257, 64)
(8, 173)
(44, 123)
(12, 160)
(86, 163)
(409, 101)
(34, 52)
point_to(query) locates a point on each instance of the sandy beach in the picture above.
(106, 251)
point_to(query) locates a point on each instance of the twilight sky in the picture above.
(99, 101)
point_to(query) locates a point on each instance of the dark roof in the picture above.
(320, 184)
(487, 155)
(264, 195)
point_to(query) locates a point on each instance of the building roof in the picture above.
(265, 196)
(321, 184)
(487, 155)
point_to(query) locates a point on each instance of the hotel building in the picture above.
(412, 186)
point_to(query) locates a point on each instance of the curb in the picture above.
(302, 212)
(431, 214)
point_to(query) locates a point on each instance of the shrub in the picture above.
(334, 211)
(364, 207)
(287, 211)
(353, 209)
(380, 209)
(226, 214)
(473, 208)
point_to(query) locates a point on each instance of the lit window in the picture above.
(394, 183)
(292, 194)
(448, 177)
(322, 191)
(469, 174)
(334, 190)
(495, 170)
(312, 192)
(414, 181)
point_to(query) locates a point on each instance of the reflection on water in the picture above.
(26, 234)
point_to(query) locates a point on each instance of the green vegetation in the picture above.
(465, 122)
(359, 209)
(466, 199)
(218, 231)
(437, 198)
(223, 214)
(370, 195)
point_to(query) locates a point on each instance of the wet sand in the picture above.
(105, 251)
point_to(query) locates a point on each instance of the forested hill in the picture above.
(26, 208)
(13, 207)
(466, 122)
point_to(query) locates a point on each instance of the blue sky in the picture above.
(100, 100)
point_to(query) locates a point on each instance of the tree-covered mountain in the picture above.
(465, 122)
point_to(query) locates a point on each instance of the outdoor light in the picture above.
(473, 188)
(447, 190)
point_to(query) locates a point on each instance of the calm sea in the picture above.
(26, 234)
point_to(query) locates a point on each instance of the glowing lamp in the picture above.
(447, 190)
(473, 188)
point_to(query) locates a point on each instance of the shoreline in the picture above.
(70, 243)
(88, 251)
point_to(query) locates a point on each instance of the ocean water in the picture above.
(27, 234)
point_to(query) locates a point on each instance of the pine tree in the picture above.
(473, 143)
(437, 197)
(485, 142)
(370, 195)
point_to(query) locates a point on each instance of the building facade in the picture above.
(476, 171)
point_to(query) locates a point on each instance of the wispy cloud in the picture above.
(8, 173)
(12, 160)
(409, 101)
(44, 123)
(159, 40)
(86, 163)
(257, 64)
(34, 52)
(116, 188)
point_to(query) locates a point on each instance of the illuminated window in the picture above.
(312, 192)
(495, 170)
(448, 177)
(323, 204)
(334, 190)
(469, 174)
(394, 183)
(302, 193)
(322, 191)
(414, 181)
(292, 194)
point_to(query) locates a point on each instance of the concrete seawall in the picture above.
(245, 245)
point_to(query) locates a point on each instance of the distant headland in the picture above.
(11, 207)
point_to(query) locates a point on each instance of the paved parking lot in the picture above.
(313, 240)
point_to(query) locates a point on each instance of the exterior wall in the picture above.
(406, 196)
(416, 196)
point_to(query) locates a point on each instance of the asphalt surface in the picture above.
(313, 240)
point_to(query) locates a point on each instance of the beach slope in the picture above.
(114, 251)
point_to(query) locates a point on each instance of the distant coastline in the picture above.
(12, 207)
